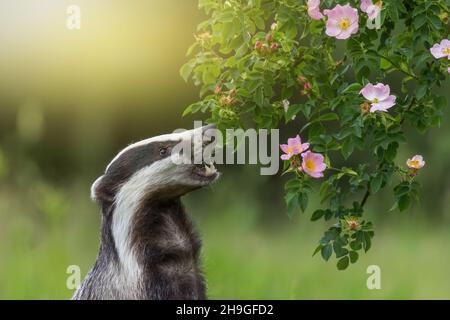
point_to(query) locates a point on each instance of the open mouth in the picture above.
(205, 171)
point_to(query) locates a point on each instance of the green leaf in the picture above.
(419, 21)
(343, 263)
(326, 252)
(339, 250)
(303, 199)
(349, 171)
(293, 184)
(385, 64)
(317, 215)
(435, 22)
(367, 241)
(354, 87)
(292, 203)
(242, 50)
(355, 245)
(375, 183)
(292, 111)
(347, 148)
(259, 96)
(186, 70)
(421, 91)
(319, 248)
(353, 256)
(403, 202)
(328, 117)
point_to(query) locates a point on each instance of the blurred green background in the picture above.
(69, 100)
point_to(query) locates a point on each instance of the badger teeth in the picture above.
(210, 169)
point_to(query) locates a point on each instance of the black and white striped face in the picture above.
(158, 165)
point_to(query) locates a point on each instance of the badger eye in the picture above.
(163, 151)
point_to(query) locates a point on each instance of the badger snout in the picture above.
(202, 159)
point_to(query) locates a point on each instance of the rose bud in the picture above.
(365, 107)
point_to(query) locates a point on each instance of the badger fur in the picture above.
(149, 248)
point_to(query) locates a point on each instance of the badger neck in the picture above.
(149, 239)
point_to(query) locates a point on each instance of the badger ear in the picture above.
(101, 190)
(95, 188)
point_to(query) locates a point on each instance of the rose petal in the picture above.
(315, 14)
(305, 147)
(332, 28)
(382, 91)
(373, 11)
(385, 104)
(284, 147)
(436, 51)
(293, 142)
(369, 92)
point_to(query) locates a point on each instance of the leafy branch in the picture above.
(263, 63)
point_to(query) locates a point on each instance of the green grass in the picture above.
(244, 257)
(246, 264)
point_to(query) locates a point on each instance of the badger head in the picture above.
(165, 166)
(154, 171)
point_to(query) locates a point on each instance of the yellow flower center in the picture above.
(446, 51)
(414, 163)
(379, 4)
(352, 224)
(375, 100)
(310, 165)
(289, 150)
(344, 24)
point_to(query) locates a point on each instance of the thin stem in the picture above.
(398, 67)
(407, 110)
(366, 196)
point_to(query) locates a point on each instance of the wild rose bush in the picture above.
(260, 63)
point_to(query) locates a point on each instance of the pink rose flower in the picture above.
(440, 50)
(372, 10)
(416, 162)
(379, 96)
(313, 164)
(293, 147)
(314, 10)
(342, 21)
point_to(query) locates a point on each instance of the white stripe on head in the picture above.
(176, 136)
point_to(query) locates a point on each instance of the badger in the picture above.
(149, 248)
